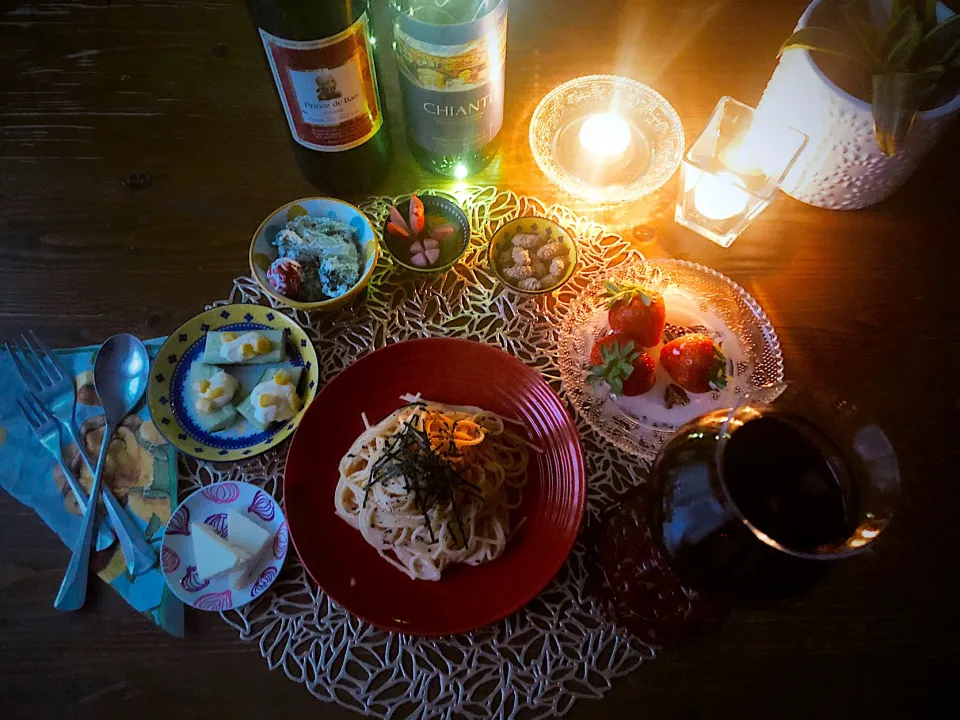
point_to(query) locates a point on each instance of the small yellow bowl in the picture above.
(263, 252)
(536, 225)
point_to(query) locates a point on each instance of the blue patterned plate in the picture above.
(210, 506)
(166, 392)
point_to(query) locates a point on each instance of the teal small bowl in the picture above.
(433, 206)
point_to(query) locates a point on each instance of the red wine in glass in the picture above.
(751, 504)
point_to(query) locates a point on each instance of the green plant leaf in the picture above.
(896, 98)
(824, 40)
(930, 76)
(953, 54)
(856, 11)
(869, 38)
(925, 10)
(901, 39)
(861, 28)
(896, 6)
(937, 45)
(929, 15)
(900, 19)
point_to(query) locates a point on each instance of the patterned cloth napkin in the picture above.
(141, 469)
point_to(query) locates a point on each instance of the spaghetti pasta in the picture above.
(432, 485)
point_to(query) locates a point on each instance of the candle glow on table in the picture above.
(720, 197)
(605, 135)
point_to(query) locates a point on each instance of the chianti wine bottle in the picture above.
(321, 55)
(451, 57)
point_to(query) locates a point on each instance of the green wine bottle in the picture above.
(451, 56)
(324, 67)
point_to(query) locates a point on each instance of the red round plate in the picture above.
(461, 373)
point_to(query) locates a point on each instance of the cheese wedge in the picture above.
(248, 536)
(215, 557)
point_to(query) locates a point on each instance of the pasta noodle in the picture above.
(432, 485)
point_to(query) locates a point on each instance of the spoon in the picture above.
(120, 377)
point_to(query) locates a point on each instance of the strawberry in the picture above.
(695, 362)
(626, 370)
(637, 312)
(643, 377)
(608, 340)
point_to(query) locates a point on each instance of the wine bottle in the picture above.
(451, 56)
(321, 55)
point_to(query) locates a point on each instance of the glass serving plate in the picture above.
(696, 298)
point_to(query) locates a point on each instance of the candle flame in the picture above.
(605, 135)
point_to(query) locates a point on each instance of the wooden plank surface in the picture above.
(141, 144)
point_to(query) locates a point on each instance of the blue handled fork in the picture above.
(53, 385)
(47, 431)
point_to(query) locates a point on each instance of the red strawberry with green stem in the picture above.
(607, 341)
(637, 312)
(626, 370)
(695, 362)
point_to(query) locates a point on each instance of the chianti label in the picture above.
(452, 81)
(328, 87)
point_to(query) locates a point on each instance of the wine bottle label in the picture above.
(452, 79)
(328, 87)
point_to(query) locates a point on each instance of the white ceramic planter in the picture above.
(842, 166)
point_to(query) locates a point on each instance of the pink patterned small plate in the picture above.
(209, 505)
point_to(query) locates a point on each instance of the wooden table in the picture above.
(142, 144)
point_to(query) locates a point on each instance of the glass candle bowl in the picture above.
(732, 171)
(607, 139)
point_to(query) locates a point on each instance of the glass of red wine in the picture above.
(749, 505)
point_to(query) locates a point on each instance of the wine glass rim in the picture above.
(777, 389)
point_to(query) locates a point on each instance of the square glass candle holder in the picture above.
(732, 171)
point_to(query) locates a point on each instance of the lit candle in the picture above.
(720, 197)
(606, 136)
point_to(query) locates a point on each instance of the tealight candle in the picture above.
(732, 171)
(606, 136)
(721, 196)
(606, 139)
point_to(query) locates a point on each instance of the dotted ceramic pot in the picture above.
(842, 167)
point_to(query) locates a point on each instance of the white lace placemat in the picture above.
(536, 662)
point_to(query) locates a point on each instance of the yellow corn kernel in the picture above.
(246, 350)
(215, 393)
(203, 405)
(202, 386)
(228, 337)
(281, 377)
(295, 403)
(264, 345)
(266, 400)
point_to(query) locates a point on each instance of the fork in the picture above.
(47, 431)
(53, 385)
